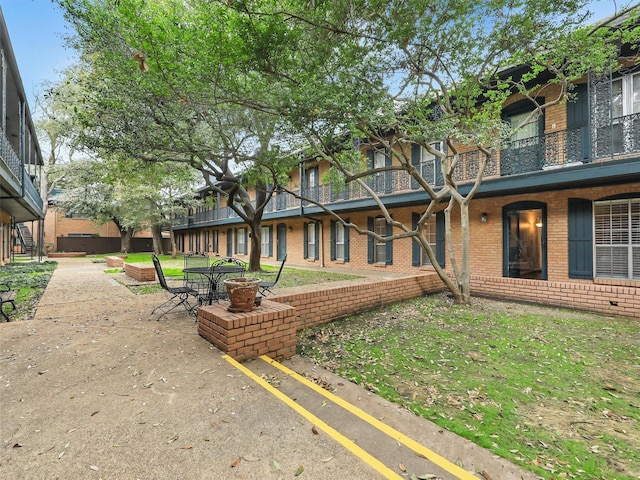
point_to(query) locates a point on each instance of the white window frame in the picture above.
(311, 240)
(430, 234)
(264, 241)
(242, 235)
(625, 102)
(428, 160)
(616, 234)
(380, 248)
(340, 246)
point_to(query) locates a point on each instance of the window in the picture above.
(310, 238)
(241, 241)
(524, 151)
(312, 182)
(339, 241)
(380, 247)
(430, 234)
(265, 241)
(617, 239)
(215, 240)
(429, 163)
(625, 101)
(380, 181)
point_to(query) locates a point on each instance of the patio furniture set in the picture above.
(204, 282)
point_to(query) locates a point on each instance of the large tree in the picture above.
(181, 80)
(167, 81)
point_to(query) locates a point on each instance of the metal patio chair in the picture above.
(180, 295)
(266, 286)
(196, 268)
(221, 270)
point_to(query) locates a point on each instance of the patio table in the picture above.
(215, 274)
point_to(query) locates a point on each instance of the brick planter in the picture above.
(141, 272)
(268, 330)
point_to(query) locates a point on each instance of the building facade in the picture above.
(20, 155)
(555, 221)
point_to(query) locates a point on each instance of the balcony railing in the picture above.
(559, 149)
(20, 176)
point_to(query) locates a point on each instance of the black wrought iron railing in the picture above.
(565, 148)
(20, 175)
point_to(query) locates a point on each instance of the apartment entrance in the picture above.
(525, 254)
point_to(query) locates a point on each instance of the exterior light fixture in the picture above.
(483, 218)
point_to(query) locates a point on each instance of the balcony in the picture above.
(552, 151)
(20, 196)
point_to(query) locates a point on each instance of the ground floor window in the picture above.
(617, 238)
(266, 241)
(311, 234)
(379, 251)
(241, 241)
(430, 234)
(339, 241)
(524, 240)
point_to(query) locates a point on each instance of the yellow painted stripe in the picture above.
(400, 437)
(344, 441)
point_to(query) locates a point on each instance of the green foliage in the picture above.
(29, 279)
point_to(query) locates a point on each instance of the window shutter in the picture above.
(346, 243)
(316, 226)
(332, 239)
(246, 241)
(580, 238)
(440, 239)
(305, 240)
(415, 161)
(415, 246)
(370, 244)
(387, 175)
(235, 240)
(229, 242)
(389, 245)
(271, 240)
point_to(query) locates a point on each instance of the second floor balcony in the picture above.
(549, 152)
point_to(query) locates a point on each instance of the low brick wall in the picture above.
(66, 254)
(140, 271)
(114, 262)
(321, 305)
(604, 299)
(268, 330)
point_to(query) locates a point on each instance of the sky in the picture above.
(37, 28)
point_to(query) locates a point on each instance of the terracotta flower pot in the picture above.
(242, 293)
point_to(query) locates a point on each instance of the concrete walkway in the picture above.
(94, 387)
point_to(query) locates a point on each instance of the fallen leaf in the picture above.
(299, 471)
(236, 462)
(187, 447)
(276, 465)
(314, 430)
(251, 458)
(402, 467)
(172, 439)
(147, 385)
(17, 445)
(94, 468)
(95, 413)
(328, 459)
(486, 475)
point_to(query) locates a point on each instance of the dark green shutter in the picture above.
(271, 240)
(370, 244)
(415, 246)
(229, 242)
(346, 243)
(332, 239)
(316, 226)
(305, 240)
(415, 161)
(387, 175)
(246, 241)
(440, 239)
(580, 238)
(389, 246)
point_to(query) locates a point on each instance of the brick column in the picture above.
(268, 330)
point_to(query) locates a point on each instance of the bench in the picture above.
(114, 262)
(7, 296)
(140, 271)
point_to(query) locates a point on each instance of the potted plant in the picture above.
(242, 293)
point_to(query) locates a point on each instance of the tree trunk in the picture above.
(172, 239)
(256, 245)
(158, 247)
(125, 240)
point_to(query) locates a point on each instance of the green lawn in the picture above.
(29, 278)
(555, 391)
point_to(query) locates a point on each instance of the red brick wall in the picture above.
(316, 306)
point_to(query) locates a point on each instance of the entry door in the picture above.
(281, 241)
(524, 246)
